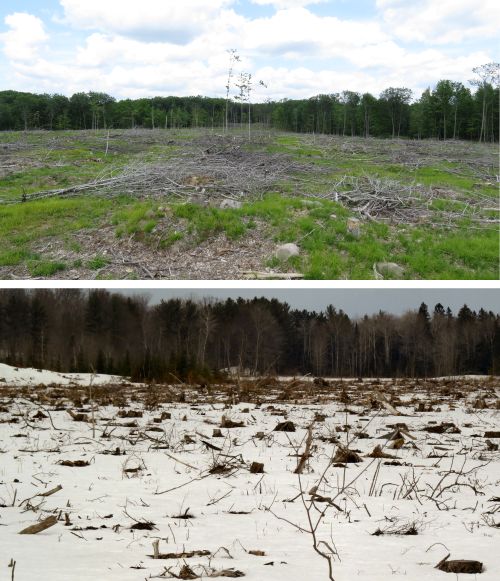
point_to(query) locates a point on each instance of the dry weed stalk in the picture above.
(324, 549)
(12, 565)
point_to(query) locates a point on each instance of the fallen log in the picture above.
(459, 566)
(379, 453)
(492, 434)
(74, 463)
(272, 275)
(287, 426)
(257, 468)
(40, 526)
(346, 456)
(52, 491)
(78, 417)
(381, 399)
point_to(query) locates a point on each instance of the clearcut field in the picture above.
(193, 204)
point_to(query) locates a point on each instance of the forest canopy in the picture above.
(449, 110)
(96, 330)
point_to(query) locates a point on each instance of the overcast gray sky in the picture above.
(355, 302)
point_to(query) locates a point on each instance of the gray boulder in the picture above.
(390, 269)
(354, 227)
(286, 251)
(230, 204)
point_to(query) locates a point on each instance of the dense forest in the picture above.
(449, 111)
(74, 330)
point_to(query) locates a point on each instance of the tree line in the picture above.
(81, 331)
(449, 111)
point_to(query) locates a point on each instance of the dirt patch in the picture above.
(218, 257)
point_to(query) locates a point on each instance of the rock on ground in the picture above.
(230, 204)
(390, 268)
(286, 251)
(354, 227)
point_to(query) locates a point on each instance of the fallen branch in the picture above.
(272, 275)
(45, 494)
(40, 526)
(307, 452)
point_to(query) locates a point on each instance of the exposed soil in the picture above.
(218, 257)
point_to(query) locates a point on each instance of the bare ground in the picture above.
(215, 258)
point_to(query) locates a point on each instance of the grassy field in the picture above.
(193, 204)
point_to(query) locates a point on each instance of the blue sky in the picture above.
(300, 48)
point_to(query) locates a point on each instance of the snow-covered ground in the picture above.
(156, 468)
(28, 376)
(10, 375)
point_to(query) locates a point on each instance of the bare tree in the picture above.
(233, 58)
(489, 74)
(208, 323)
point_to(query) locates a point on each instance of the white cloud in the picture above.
(298, 53)
(419, 70)
(441, 22)
(149, 19)
(208, 77)
(107, 49)
(284, 4)
(103, 50)
(128, 80)
(303, 82)
(297, 32)
(25, 35)
(415, 70)
(202, 63)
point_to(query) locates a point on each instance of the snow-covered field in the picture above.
(164, 470)
(28, 376)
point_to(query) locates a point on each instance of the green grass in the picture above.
(171, 239)
(97, 262)
(21, 225)
(319, 227)
(62, 159)
(442, 205)
(436, 175)
(452, 255)
(45, 268)
(273, 208)
(330, 252)
(14, 256)
(295, 146)
(205, 222)
(59, 176)
(139, 218)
